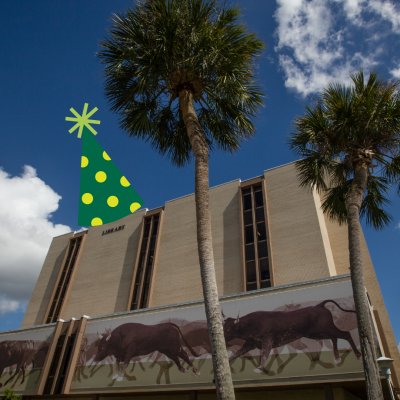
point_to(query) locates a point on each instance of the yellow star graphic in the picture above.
(83, 120)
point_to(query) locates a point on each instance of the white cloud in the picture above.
(395, 72)
(26, 204)
(316, 41)
(9, 306)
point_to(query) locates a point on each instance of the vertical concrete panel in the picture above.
(339, 244)
(339, 241)
(177, 277)
(296, 238)
(324, 233)
(104, 274)
(225, 222)
(178, 271)
(47, 279)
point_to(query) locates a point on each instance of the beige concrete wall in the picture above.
(339, 242)
(305, 246)
(297, 243)
(47, 279)
(104, 274)
(177, 277)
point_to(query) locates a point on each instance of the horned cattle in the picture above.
(16, 352)
(132, 340)
(267, 330)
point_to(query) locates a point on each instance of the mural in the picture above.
(22, 356)
(309, 331)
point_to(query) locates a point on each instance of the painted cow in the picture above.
(267, 330)
(16, 352)
(131, 340)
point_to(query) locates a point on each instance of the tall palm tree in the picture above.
(350, 141)
(182, 75)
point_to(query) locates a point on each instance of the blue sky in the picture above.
(49, 65)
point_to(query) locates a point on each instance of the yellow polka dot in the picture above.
(112, 201)
(87, 198)
(124, 182)
(97, 221)
(134, 207)
(101, 176)
(106, 156)
(84, 162)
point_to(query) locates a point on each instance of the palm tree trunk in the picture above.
(353, 205)
(222, 372)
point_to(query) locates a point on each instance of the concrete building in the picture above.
(270, 238)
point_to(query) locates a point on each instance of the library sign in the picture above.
(112, 230)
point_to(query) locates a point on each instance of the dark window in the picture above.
(262, 249)
(258, 197)
(251, 271)
(54, 365)
(256, 239)
(265, 284)
(141, 293)
(250, 253)
(249, 234)
(64, 365)
(248, 217)
(65, 277)
(261, 232)
(247, 202)
(251, 286)
(264, 269)
(260, 214)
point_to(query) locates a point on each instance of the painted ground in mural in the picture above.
(22, 357)
(268, 336)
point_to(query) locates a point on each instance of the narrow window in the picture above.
(257, 265)
(145, 266)
(64, 280)
(64, 365)
(54, 365)
(62, 356)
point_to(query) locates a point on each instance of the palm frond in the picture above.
(374, 201)
(154, 40)
(334, 202)
(346, 122)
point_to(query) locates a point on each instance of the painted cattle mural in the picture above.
(305, 331)
(22, 357)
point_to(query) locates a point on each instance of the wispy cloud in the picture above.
(319, 41)
(26, 204)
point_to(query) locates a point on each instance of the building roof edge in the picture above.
(279, 166)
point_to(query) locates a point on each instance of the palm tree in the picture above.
(182, 75)
(350, 141)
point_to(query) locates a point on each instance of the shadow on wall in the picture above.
(127, 271)
(50, 286)
(232, 261)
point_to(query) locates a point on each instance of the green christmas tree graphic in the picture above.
(105, 194)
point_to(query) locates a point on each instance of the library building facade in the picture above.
(117, 310)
